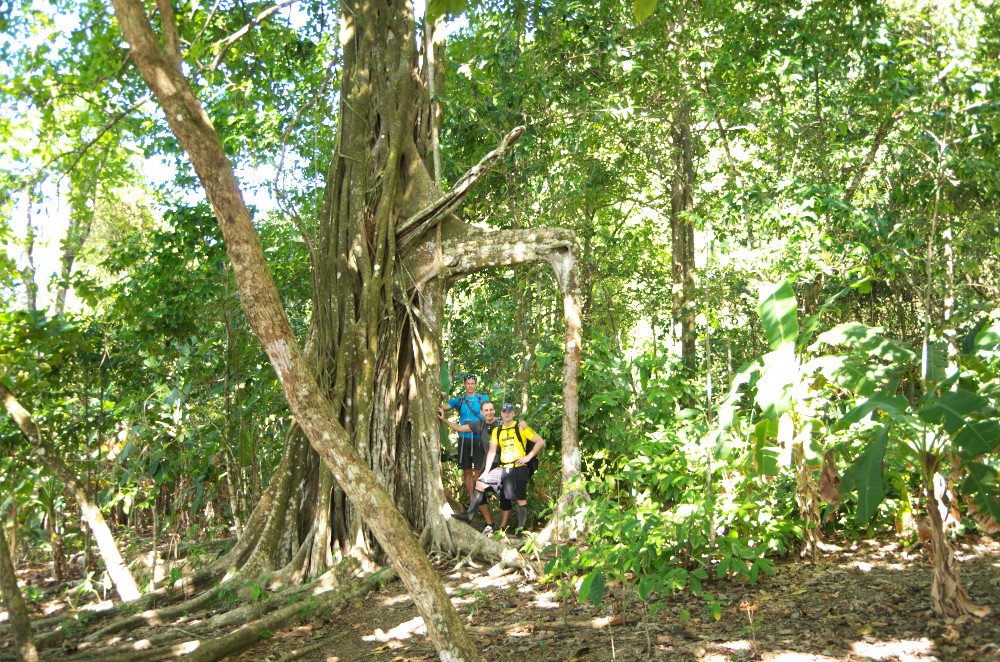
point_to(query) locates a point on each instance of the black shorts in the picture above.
(470, 452)
(514, 486)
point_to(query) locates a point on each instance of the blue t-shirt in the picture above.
(468, 410)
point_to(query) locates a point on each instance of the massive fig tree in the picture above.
(364, 388)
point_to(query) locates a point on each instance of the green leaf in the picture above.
(643, 9)
(847, 372)
(437, 8)
(774, 387)
(937, 362)
(592, 587)
(895, 405)
(978, 437)
(950, 408)
(766, 455)
(777, 308)
(988, 339)
(866, 473)
(981, 484)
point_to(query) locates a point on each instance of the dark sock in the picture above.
(477, 500)
(522, 516)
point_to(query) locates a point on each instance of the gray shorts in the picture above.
(492, 479)
(510, 482)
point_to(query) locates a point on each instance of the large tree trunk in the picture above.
(119, 572)
(365, 389)
(365, 248)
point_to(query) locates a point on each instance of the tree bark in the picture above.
(121, 576)
(313, 411)
(20, 623)
(682, 234)
(948, 596)
(364, 390)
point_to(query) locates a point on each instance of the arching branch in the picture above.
(558, 248)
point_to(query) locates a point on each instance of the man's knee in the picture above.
(522, 502)
(481, 486)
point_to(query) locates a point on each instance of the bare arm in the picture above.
(488, 464)
(452, 424)
(539, 442)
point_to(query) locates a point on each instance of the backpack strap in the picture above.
(479, 400)
(520, 440)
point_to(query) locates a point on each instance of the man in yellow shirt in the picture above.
(506, 468)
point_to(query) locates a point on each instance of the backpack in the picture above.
(526, 445)
(465, 400)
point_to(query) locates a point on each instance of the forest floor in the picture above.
(868, 600)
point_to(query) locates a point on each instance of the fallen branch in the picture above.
(208, 650)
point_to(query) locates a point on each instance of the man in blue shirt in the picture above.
(468, 405)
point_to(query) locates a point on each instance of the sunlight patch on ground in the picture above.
(546, 600)
(902, 650)
(488, 581)
(787, 656)
(741, 645)
(103, 605)
(397, 600)
(403, 631)
(185, 648)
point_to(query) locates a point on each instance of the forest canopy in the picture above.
(737, 263)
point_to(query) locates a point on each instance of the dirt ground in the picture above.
(864, 601)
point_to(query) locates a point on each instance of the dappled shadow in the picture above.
(867, 601)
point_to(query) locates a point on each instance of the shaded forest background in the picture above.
(787, 224)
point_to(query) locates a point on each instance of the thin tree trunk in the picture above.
(55, 539)
(80, 224)
(29, 272)
(121, 576)
(948, 308)
(682, 234)
(20, 622)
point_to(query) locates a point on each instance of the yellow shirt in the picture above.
(509, 447)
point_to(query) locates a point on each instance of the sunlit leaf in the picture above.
(643, 9)
(777, 308)
(437, 8)
(978, 437)
(892, 405)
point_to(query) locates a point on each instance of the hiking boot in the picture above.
(487, 530)
(463, 517)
